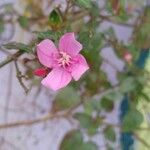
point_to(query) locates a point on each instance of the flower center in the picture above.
(64, 59)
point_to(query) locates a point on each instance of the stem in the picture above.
(19, 76)
(10, 59)
(111, 20)
(142, 141)
(50, 116)
(30, 122)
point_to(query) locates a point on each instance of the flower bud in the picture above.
(127, 57)
(41, 72)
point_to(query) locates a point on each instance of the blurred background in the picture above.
(108, 108)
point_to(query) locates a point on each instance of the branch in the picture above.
(142, 141)
(111, 20)
(31, 122)
(49, 116)
(19, 77)
(10, 59)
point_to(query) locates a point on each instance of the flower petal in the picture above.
(79, 67)
(69, 44)
(57, 78)
(45, 51)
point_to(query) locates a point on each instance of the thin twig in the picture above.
(142, 141)
(19, 76)
(10, 59)
(9, 93)
(111, 20)
(30, 122)
(49, 116)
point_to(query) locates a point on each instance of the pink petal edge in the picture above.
(79, 68)
(45, 50)
(56, 79)
(69, 44)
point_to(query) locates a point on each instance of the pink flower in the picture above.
(128, 57)
(65, 61)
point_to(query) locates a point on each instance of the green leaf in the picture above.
(94, 10)
(2, 27)
(133, 50)
(110, 133)
(145, 96)
(88, 146)
(93, 129)
(55, 17)
(66, 98)
(91, 105)
(114, 95)
(142, 37)
(72, 141)
(48, 35)
(86, 121)
(128, 84)
(107, 104)
(132, 120)
(92, 44)
(109, 147)
(18, 46)
(8, 8)
(23, 21)
(84, 3)
(109, 7)
(123, 16)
